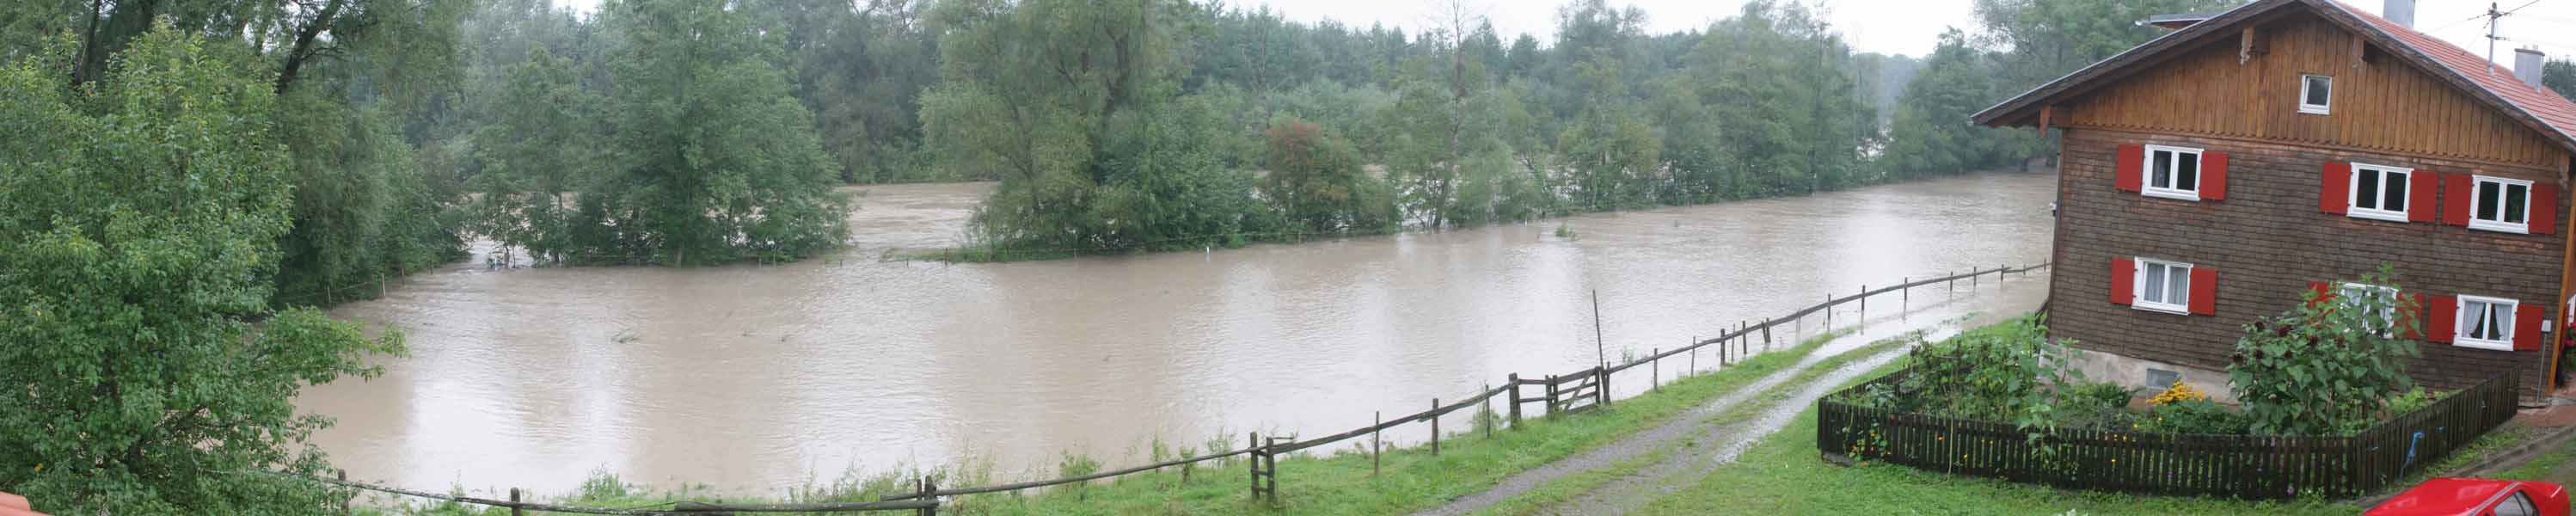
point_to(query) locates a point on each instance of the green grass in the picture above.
(1566, 489)
(1333, 479)
(1784, 475)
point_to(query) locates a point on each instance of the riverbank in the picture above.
(1340, 481)
(993, 253)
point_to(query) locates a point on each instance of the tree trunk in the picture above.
(304, 44)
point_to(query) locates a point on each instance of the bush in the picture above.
(2192, 416)
(2004, 372)
(2102, 405)
(2328, 366)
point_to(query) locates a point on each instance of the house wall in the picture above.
(2381, 104)
(2267, 240)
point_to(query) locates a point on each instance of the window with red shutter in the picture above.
(2162, 286)
(2334, 192)
(2487, 323)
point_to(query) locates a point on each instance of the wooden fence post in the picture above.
(1435, 427)
(1485, 414)
(1694, 353)
(1551, 396)
(928, 486)
(1254, 438)
(514, 503)
(1655, 369)
(1829, 313)
(1864, 302)
(1515, 379)
(1377, 418)
(1766, 332)
(1601, 387)
(344, 502)
(1905, 300)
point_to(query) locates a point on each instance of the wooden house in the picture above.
(2212, 175)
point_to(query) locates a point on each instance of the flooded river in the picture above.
(755, 379)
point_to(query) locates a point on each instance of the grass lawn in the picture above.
(1333, 479)
(1784, 475)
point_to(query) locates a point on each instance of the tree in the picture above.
(1316, 183)
(1932, 134)
(716, 159)
(147, 372)
(534, 157)
(2560, 76)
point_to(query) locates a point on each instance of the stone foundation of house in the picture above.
(2149, 376)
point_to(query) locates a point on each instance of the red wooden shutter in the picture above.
(2526, 326)
(2544, 208)
(2421, 195)
(2441, 313)
(2412, 314)
(2124, 277)
(2213, 175)
(2133, 158)
(2323, 293)
(2455, 199)
(2335, 195)
(2204, 291)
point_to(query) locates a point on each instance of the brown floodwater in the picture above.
(756, 379)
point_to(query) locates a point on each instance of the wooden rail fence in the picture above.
(1578, 391)
(2240, 466)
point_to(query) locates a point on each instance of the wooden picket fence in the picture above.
(2237, 466)
(1576, 391)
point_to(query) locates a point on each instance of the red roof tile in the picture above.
(2541, 103)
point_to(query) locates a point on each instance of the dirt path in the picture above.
(1711, 447)
(1688, 429)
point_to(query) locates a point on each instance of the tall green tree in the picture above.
(143, 209)
(1932, 134)
(1076, 106)
(1316, 182)
(535, 154)
(716, 160)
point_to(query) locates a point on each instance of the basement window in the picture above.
(2485, 323)
(2163, 286)
(2173, 173)
(2316, 94)
(2379, 192)
(2499, 204)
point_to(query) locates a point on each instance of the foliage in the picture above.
(2179, 392)
(2006, 372)
(534, 158)
(2327, 366)
(2193, 416)
(1316, 183)
(716, 159)
(144, 209)
(1931, 133)
(2413, 399)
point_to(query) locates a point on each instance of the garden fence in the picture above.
(2239, 466)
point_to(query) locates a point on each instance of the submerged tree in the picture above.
(716, 159)
(146, 371)
(1317, 184)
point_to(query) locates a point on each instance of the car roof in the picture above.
(2444, 496)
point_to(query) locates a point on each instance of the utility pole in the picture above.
(2492, 16)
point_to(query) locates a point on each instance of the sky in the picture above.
(1909, 26)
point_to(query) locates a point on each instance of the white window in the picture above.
(2349, 295)
(2499, 204)
(2379, 192)
(2316, 94)
(2173, 172)
(2163, 286)
(2486, 323)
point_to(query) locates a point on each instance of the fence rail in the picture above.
(2240, 466)
(1576, 391)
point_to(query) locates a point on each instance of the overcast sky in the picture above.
(1911, 26)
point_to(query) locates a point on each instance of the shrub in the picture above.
(2004, 372)
(2329, 365)
(2177, 393)
(2101, 405)
(2413, 399)
(2192, 416)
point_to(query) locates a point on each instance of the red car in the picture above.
(2476, 497)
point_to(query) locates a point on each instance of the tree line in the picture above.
(182, 179)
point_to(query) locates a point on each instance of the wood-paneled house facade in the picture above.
(2208, 178)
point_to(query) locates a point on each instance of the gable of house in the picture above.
(2377, 103)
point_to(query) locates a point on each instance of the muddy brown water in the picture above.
(756, 379)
